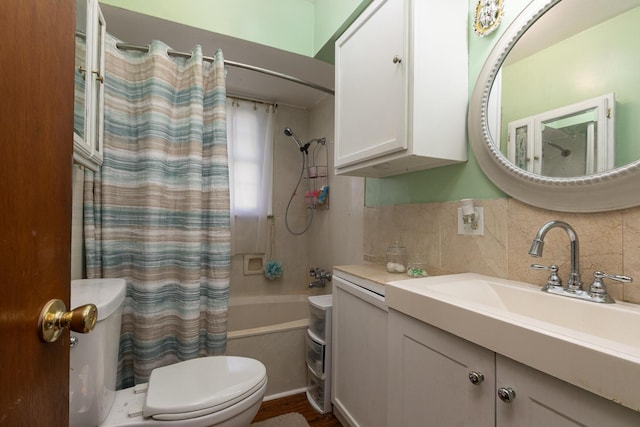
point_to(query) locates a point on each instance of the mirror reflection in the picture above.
(566, 101)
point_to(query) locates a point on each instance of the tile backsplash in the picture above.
(609, 241)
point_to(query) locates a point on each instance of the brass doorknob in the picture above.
(54, 317)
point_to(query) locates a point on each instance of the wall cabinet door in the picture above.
(371, 102)
(401, 88)
(429, 377)
(89, 84)
(542, 400)
(359, 370)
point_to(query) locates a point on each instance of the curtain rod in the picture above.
(125, 46)
(251, 100)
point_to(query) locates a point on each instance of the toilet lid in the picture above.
(201, 386)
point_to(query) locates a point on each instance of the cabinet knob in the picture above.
(397, 59)
(506, 394)
(476, 377)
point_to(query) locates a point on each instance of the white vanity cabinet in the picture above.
(359, 377)
(89, 84)
(401, 88)
(429, 380)
(431, 384)
(542, 400)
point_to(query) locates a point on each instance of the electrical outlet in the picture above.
(469, 229)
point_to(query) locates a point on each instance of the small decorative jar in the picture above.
(417, 269)
(396, 258)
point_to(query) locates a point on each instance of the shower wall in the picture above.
(335, 236)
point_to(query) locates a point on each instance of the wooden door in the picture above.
(36, 129)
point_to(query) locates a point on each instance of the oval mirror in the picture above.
(554, 119)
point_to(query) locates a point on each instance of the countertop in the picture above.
(373, 272)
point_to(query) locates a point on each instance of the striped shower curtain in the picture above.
(157, 211)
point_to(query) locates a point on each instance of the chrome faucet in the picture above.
(574, 283)
(597, 290)
(322, 277)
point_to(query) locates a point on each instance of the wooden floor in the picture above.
(296, 403)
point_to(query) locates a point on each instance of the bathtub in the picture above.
(272, 330)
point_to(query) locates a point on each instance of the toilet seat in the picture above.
(201, 386)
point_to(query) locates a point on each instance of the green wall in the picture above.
(301, 26)
(600, 60)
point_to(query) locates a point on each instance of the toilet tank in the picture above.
(94, 357)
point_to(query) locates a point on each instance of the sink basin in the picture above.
(593, 346)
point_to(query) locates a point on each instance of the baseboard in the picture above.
(284, 394)
(344, 420)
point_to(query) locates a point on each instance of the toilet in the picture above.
(221, 391)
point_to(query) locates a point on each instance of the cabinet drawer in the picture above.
(316, 390)
(315, 355)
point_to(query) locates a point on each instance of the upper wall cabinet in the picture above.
(89, 85)
(401, 88)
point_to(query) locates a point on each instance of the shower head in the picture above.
(304, 148)
(564, 152)
(289, 133)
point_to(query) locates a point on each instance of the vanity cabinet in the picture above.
(441, 379)
(401, 88)
(429, 383)
(359, 370)
(89, 84)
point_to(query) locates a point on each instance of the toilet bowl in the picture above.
(222, 391)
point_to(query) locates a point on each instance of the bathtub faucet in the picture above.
(321, 275)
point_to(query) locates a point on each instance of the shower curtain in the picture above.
(157, 211)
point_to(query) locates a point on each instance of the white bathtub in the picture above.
(272, 329)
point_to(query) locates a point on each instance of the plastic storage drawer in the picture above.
(319, 309)
(315, 355)
(316, 391)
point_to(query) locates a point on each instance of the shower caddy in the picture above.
(317, 194)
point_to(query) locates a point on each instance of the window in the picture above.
(250, 151)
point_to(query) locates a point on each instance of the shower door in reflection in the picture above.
(571, 141)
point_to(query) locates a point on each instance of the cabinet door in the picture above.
(542, 400)
(82, 64)
(89, 84)
(97, 80)
(359, 370)
(371, 76)
(429, 377)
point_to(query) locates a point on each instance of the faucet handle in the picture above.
(598, 288)
(553, 280)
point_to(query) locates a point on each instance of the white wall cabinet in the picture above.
(89, 84)
(359, 377)
(401, 88)
(430, 383)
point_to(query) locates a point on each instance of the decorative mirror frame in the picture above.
(611, 190)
